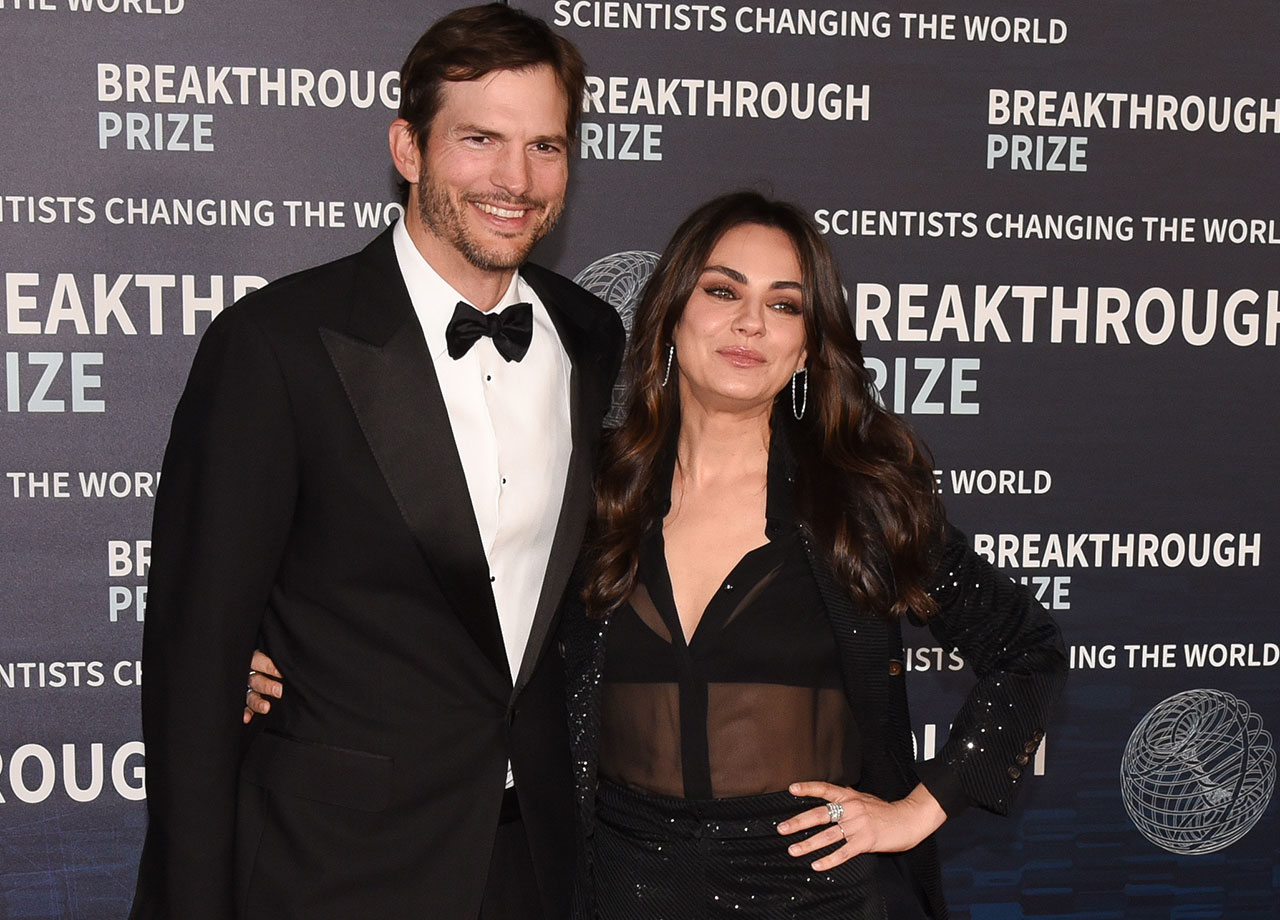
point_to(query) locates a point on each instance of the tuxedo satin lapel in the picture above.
(390, 381)
(584, 418)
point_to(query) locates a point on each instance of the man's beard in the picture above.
(446, 218)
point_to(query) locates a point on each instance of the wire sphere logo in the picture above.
(619, 280)
(1198, 772)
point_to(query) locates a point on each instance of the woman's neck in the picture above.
(714, 446)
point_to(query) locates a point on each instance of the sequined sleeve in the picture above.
(1016, 651)
(581, 640)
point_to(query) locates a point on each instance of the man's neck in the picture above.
(482, 287)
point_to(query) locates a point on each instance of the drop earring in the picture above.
(804, 398)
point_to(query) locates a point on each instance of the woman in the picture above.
(762, 528)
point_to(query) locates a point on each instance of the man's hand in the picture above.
(265, 683)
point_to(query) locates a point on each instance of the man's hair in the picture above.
(471, 42)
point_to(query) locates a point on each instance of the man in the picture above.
(379, 472)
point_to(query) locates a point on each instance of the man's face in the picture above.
(492, 181)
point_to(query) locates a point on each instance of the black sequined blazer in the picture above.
(1010, 641)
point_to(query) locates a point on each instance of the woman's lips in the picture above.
(741, 357)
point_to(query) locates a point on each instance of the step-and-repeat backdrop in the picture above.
(1058, 225)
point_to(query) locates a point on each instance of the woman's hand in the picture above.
(866, 824)
(264, 682)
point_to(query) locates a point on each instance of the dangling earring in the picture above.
(804, 399)
(671, 354)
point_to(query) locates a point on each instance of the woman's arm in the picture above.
(1020, 663)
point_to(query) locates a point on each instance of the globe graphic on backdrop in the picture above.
(1198, 772)
(619, 280)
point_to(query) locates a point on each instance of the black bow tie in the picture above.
(511, 330)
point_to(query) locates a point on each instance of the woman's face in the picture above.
(742, 333)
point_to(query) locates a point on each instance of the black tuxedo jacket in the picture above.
(313, 503)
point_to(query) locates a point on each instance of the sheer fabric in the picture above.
(754, 700)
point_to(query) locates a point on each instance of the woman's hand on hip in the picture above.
(865, 823)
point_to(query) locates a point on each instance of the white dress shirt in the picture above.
(510, 420)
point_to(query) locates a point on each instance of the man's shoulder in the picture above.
(590, 310)
(320, 293)
(299, 288)
(540, 275)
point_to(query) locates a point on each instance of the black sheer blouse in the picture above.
(753, 701)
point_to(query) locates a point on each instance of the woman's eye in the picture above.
(787, 306)
(719, 290)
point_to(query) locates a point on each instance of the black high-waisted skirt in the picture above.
(662, 858)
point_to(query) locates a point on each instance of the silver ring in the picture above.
(835, 811)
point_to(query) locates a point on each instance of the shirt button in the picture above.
(492, 579)
(504, 480)
(895, 667)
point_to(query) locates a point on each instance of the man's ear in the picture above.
(404, 150)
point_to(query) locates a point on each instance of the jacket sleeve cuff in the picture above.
(944, 785)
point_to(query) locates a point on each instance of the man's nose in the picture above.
(511, 172)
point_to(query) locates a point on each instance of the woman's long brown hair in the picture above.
(864, 483)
